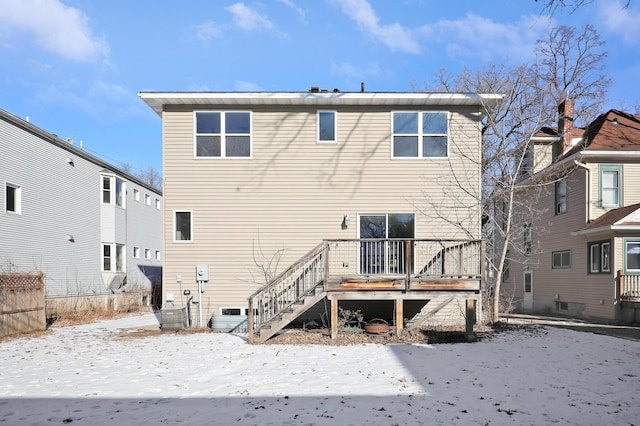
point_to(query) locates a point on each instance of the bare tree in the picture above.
(531, 95)
(149, 175)
(552, 6)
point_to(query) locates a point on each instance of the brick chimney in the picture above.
(565, 123)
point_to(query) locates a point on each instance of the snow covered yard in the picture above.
(91, 375)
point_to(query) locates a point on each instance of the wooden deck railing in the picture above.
(629, 286)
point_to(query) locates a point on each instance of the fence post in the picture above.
(620, 284)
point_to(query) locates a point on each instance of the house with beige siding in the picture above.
(583, 256)
(285, 204)
(93, 230)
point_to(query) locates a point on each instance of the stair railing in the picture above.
(287, 289)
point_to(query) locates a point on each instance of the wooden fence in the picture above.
(21, 303)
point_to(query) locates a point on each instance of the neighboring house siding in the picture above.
(54, 205)
(61, 191)
(293, 192)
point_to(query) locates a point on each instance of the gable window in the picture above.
(527, 239)
(182, 226)
(561, 196)
(223, 134)
(327, 126)
(611, 186)
(632, 256)
(599, 257)
(13, 198)
(420, 134)
(561, 259)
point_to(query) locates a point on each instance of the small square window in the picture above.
(136, 252)
(147, 199)
(147, 254)
(136, 194)
(157, 255)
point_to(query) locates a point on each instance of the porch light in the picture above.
(345, 221)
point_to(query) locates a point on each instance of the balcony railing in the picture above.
(629, 287)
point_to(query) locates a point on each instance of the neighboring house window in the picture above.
(113, 191)
(527, 239)
(223, 134)
(632, 256)
(611, 186)
(136, 194)
(147, 254)
(147, 199)
(106, 257)
(182, 226)
(136, 252)
(106, 190)
(561, 196)
(157, 254)
(111, 263)
(13, 198)
(599, 257)
(157, 204)
(561, 259)
(526, 168)
(505, 216)
(327, 126)
(423, 134)
(506, 268)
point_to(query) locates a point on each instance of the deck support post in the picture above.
(399, 316)
(470, 315)
(334, 318)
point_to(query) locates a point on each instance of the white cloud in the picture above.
(247, 86)
(300, 11)
(394, 36)
(54, 27)
(249, 19)
(622, 21)
(349, 70)
(207, 31)
(476, 37)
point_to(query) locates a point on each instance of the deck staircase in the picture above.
(288, 296)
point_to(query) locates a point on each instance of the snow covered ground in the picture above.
(91, 375)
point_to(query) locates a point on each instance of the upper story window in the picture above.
(113, 191)
(182, 226)
(561, 196)
(136, 194)
(327, 126)
(611, 186)
(147, 199)
(223, 134)
(420, 134)
(157, 203)
(527, 239)
(13, 198)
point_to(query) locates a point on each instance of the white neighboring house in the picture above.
(91, 228)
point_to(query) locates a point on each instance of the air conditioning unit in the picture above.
(174, 318)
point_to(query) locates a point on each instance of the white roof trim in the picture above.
(156, 100)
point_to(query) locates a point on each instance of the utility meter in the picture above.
(202, 273)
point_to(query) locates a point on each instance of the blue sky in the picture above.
(75, 67)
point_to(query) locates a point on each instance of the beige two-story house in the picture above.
(582, 257)
(325, 199)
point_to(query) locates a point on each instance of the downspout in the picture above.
(588, 188)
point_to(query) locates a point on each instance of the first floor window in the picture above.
(632, 256)
(120, 258)
(182, 226)
(13, 198)
(106, 257)
(561, 259)
(599, 257)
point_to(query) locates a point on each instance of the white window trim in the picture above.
(113, 190)
(136, 194)
(136, 252)
(113, 258)
(147, 254)
(335, 127)
(147, 199)
(223, 136)
(173, 230)
(420, 155)
(157, 202)
(157, 255)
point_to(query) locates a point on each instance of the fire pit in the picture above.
(377, 326)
